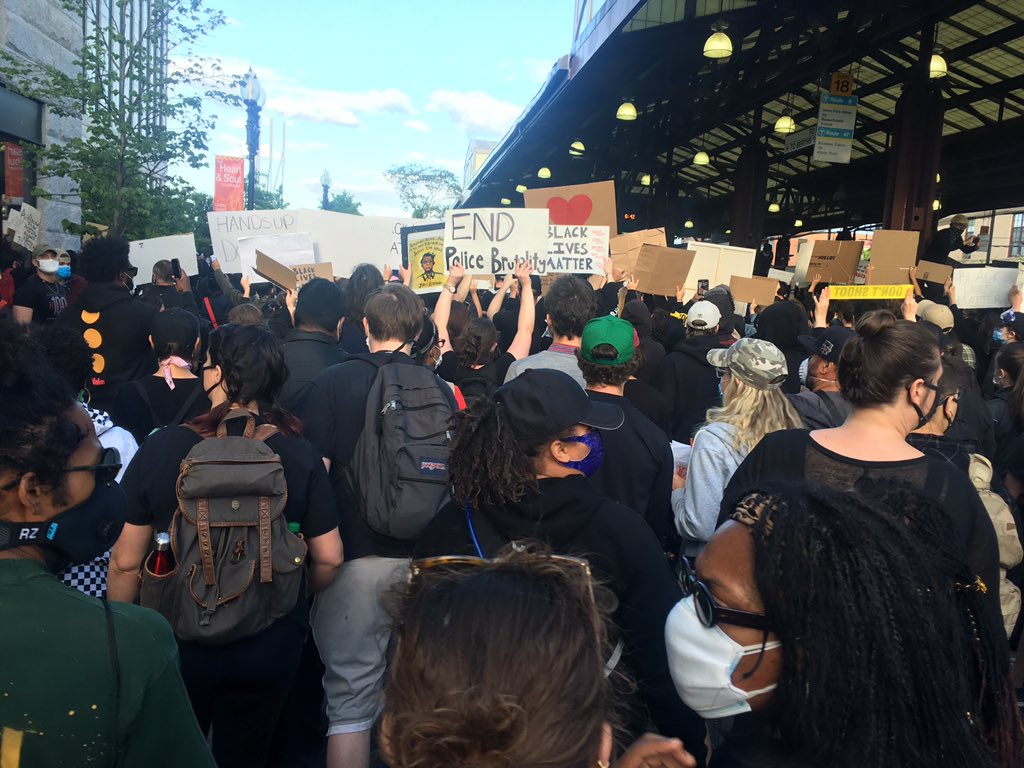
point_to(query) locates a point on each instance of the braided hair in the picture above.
(891, 655)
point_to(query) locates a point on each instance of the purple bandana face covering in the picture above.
(592, 461)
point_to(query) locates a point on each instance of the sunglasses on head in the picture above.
(711, 613)
(458, 562)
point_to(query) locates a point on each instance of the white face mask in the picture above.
(702, 661)
(49, 266)
(804, 366)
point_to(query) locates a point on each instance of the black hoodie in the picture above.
(690, 384)
(573, 519)
(639, 316)
(116, 327)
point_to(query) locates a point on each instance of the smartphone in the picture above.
(702, 287)
(176, 269)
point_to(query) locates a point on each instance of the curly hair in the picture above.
(487, 465)
(891, 655)
(251, 360)
(454, 699)
(596, 374)
(475, 344)
(35, 432)
(66, 352)
(104, 258)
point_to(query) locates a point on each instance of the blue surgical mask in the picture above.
(64, 272)
(590, 463)
(999, 336)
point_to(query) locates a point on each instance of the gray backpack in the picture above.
(399, 471)
(237, 566)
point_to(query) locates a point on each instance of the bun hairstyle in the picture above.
(475, 345)
(887, 355)
(496, 666)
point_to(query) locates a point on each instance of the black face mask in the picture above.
(923, 418)
(76, 535)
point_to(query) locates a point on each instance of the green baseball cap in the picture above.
(620, 334)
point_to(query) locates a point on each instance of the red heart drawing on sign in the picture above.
(568, 212)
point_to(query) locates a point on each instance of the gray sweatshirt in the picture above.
(712, 463)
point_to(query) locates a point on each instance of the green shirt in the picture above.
(56, 681)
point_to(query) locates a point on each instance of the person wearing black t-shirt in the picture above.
(474, 363)
(172, 395)
(42, 296)
(237, 688)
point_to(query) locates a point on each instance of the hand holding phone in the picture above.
(176, 269)
(702, 287)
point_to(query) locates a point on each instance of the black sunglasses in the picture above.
(106, 471)
(711, 613)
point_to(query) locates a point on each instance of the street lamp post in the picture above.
(254, 97)
(325, 182)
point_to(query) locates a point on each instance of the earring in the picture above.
(602, 764)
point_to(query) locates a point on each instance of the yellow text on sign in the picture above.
(842, 84)
(846, 292)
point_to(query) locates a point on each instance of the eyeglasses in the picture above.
(711, 613)
(106, 471)
(456, 562)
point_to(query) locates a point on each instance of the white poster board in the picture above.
(579, 249)
(489, 241)
(803, 260)
(291, 250)
(717, 264)
(342, 239)
(984, 287)
(28, 227)
(145, 253)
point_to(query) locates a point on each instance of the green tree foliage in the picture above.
(424, 191)
(268, 199)
(343, 203)
(141, 98)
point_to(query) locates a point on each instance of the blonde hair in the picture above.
(754, 413)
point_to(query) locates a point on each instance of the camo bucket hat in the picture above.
(755, 362)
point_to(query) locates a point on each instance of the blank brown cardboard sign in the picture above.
(290, 278)
(759, 290)
(577, 204)
(893, 252)
(835, 260)
(625, 248)
(659, 270)
(934, 273)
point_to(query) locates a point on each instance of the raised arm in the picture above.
(520, 346)
(443, 309)
(499, 296)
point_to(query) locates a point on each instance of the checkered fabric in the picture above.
(89, 578)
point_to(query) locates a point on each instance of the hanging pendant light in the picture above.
(774, 207)
(576, 149)
(702, 158)
(520, 188)
(936, 205)
(506, 201)
(688, 223)
(798, 223)
(937, 67)
(544, 173)
(718, 45)
(785, 125)
(645, 180)
(626, 111)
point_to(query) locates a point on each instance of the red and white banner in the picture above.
(229, 184)
(14, 171)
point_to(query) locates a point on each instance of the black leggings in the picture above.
(240, 689)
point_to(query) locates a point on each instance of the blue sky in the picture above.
(366, 85)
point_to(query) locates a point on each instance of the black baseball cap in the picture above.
(829, 343)
(541, 402)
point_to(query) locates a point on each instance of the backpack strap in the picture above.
(141, 389)
(209, 312)
(238, 413)
(115, 670)
(185, 407)
(205, 542)
(831, 407)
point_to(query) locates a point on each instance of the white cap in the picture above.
(703, 314)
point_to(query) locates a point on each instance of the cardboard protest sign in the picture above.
(984, 287)
(145, 253)
(289, 249)
(423, 256)
(592, 204)
(934, 273)
(835, 260)
(625, 248)
(757, 290)
(491, 241)
(28, 228)
(289, 278)
(876, 292)
(659, 270)
(893, 252)
(576, 250)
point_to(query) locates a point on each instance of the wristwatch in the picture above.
(450, 288)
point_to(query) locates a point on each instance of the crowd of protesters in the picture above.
(573, 526)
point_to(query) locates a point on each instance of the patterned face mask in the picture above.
(590, 463)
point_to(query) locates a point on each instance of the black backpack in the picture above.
(399, 471)
(476, 386)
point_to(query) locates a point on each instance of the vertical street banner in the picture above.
(14, 172)
(837, 119)
(229, 184)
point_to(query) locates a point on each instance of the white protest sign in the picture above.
(717, 264)
(489, 241)
(290, 249)
(782, 275)
(342, 239)
(579, 249)
(30, 224)
(11, 222)
(145, 253)
(803, 260)
(984, 287)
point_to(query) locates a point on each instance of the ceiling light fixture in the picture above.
(626, 111)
